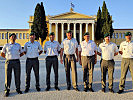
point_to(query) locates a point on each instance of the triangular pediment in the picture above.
(71, 15)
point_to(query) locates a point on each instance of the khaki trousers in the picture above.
(70, 62)
(107, 65)
(127, 63)
(88, 67)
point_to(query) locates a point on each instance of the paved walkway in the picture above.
(64, 94)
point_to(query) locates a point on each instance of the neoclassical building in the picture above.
(76, 22)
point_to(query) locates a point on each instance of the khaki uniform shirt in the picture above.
(69, 46)
(127, 49)
(107, 50)
(87, 48)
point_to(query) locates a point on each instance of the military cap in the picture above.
(106, 35)
(32, 33)
(69, 31)
(128, 33)
(12, 34)
(87, 33)
(52, 33)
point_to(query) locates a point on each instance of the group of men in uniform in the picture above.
(86, 54)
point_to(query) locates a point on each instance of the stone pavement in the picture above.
(65, 94)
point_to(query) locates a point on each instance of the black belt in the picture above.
(90, 56)
(109, 60)
(13, 60)
(32, 58)
(52, 56)
(69, 55)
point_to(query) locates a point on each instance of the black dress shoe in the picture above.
(103, 89)
(38, 89)
(48, 88)
(68, 88)
(111, 90)
(91, 90)
(120, 91)
(57, 88)
(76, 89)
(6, 94)
(85, 89)
(26, 90)
(19, 92)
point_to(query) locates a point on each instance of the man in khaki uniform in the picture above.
(13, 51)
(32, 49)
(126, 50)
(108, 50)
(52, 49)
(70, 47)
(88, 57)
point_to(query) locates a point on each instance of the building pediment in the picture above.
(71, 15)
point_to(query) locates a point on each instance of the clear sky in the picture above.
(15, 13)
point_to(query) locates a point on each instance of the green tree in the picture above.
(106, 21)
(99, 25)
(39, 24)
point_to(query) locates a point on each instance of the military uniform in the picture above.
(70, 47)
(88, 60)
(127, 61)
(52, 49)
(31, 50)
(12, 62)
(107, 64)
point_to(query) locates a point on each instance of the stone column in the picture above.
(68, 26)
(62, 30)
(93, 31)
(86, 27)
(50, 27)
(74, 30)
(80, 32)
(56, 30)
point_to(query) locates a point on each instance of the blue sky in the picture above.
(15, 13)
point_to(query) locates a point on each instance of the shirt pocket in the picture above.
(35, 48)
(125, 48)
(73, 45)
(55, 46)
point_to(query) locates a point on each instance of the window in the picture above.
(27, 35)
(20, 35)
(123, 36)
(16, 35)
(23, 35)
(119, 35)
(116, 35)
(113, 36)
(2, 35)
(6, 35)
